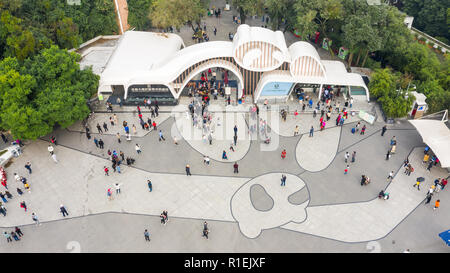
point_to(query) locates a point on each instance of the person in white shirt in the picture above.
(50, 149)
(206, 160)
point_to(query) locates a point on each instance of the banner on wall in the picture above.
(276, 89)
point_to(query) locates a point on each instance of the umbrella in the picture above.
(420, 179)
(445, 236)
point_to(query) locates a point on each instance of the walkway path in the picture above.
(316, 153)
(372, 220)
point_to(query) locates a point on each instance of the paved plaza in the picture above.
(320, 209)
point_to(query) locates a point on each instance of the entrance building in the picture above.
(158, 66)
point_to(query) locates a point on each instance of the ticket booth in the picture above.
(419, 107)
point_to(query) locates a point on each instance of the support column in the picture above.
(320, 91)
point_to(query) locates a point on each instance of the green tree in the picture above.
(17, 42)
(47, 90)
(138, 11)
(305, 24)
(280, 10)
(437, 98)
(430, 16)
(324, 11)
(420, 62)
(176, 13)
(248, 8)
(386, 87)
(67, 33)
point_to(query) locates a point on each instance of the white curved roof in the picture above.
(155, 58)
(436, 135)
(259, 49)
(246, 33)
(301, 48)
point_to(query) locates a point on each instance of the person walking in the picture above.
(236, 167)
(14, 235)
(346, 169)
(18, 231)
(35, 218)
(437, 204)
(296, 130)
(353, 156)
(188, 170)
(311, 132)
(283, 154)
(235, 140)
(428, 198)
(106, 170)
(390, 176)
(8, 194)
(426, 157)
(346, 156)
(54, 158)
(50, 149)
(161, 136)
(166, 215)
(63, 210)
(138, 149)
(205, 228)
(109, 194)
(430, 165)
(224, 155)
(99, 128)
(2, 211)
(96, 142)
(105, 126)
(215, 31)
(235, 129)
(163, 218)
(7, 236)
(117, 186)
(417, 184)
(444, 183)
(147, 235)
(363, 130)
(283, 180)
(210, 139)
(23, 205)
(28, 167)
(388, 154)
(118, 137)
(101, 143)
(206, 160)
(2, 196)
(149, 184)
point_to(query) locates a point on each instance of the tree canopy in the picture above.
(54, 21)
(387, 88)
(176, 13)
(48, 89)
(430, 16)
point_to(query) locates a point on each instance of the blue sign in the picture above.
(276, 89)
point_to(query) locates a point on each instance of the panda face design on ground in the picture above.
(252, 221)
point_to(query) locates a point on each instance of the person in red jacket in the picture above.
(283, 154)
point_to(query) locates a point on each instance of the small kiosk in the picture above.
(419, 106)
